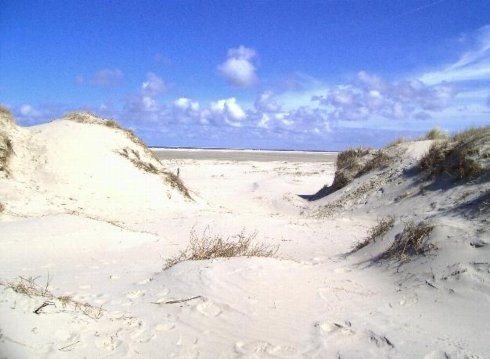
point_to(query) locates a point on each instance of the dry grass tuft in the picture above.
(148, 167)
(6, 151)
(29, 287)
(378, 231)
(206, 246)
(464, 157)
(436, 134)
(349, 159)
(411, 242)
(2, 208)
(176, 182)
(380, 161)
(397, 142)
(5, 111)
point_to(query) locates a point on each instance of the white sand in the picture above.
(102, 229)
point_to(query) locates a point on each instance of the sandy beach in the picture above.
(88, 226)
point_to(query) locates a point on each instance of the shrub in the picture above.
(412, 241)
(433, 161)
(5, 111)
(349, 159)
(436, 134)
(380, 160)
(466, 156)
(397, 141)
(6, 151)
(29, 287)
(208, 246)
(378, 231)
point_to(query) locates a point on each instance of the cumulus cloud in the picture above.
(186, 110)
(105, 78)
(153, 85)
(371, 96)
(225, 111)
(239, 68)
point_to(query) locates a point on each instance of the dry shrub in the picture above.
(412, 241)
(206, 246)
(176, 182)
(436, 134)
(29, 287)
(378, 231)
(465, 157)
(5, 111)
(380, 160)
(6, 151)
(433, 161)
(397, 142)
(148, 167)
(349, 159)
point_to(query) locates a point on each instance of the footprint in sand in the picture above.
(208, 309)
(265, 347)
(108, 343)
(331, 327)
(135, 294)
(165, 327)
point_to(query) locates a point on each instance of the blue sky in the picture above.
(251, 74)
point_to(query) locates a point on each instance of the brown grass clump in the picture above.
(349, 159)
(29, 287)
(380, 160)
(148, 167)
(378, 231)
(208, 246)
(5, 111)
(397, 142)
(6, 151)
(412, 241)
(436, 134)
(464, 157)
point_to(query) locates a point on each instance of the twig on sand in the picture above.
(69, 346)
(179, 300)
(45, 304)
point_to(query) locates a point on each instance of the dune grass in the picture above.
(411, 242)
(206, 246)
(379, 230)
(435, 134)
(465, 156)
(30, 287)
(6, 151)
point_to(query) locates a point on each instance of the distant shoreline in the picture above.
(243, 155)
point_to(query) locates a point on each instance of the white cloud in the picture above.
(472, 65)
(227, 111)
(153, 85)
(238, 68)
(29, 111)
(185, 103)
(371, 96)
(106, 78)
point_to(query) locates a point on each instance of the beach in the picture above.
(96, 262)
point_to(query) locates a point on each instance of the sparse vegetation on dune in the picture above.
(5, 111)
(207, 246)
(169, 177)
(465, 156)
(131, 154)
(379, 230)
(30, 288)
(6, 151)
(435, 134)
(412, 241)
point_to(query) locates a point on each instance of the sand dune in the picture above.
(86, 204)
